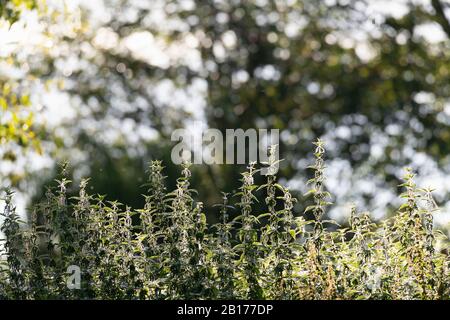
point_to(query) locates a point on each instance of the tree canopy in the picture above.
(373, 84)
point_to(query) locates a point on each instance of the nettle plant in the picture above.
(166, 250)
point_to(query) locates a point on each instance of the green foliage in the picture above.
(166, 250)
(11, 9)
(16, 119)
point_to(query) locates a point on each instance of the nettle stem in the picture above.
(166, 250)
(248, 237)
(320, 196)
(224, 258)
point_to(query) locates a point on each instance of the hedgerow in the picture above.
(166, 250)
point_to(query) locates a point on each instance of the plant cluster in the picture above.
(166, 250)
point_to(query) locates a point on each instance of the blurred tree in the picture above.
(374, 86)
(30, 32)
(315, 68)
(290, 66)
